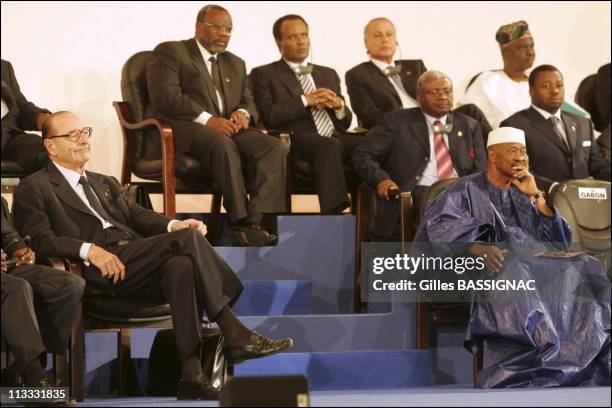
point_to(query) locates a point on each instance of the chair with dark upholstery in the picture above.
(170, 174)
(585, 205)
(106, 314)
(11, 174)
(585, 97)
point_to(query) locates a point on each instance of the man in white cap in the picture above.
(500, 217)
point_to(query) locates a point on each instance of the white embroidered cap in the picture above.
(505, 135)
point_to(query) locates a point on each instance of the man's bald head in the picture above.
(374, 22)
(50, 126)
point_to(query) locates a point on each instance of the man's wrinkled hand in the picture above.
(190, 223)
(24, 256)
(225, 126)
(240, 120)
(4, 264)
(109, 264)
(384, 187)
(524, 181)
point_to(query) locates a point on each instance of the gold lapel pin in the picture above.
(460, 133)
(408, 72)
(227, 80)
(573, 128)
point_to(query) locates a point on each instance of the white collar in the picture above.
(205, 54)
(70, 175)
(431, 119)
(546, 114)
(296, 65)
(382, 65)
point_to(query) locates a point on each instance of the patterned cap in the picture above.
(512, 32)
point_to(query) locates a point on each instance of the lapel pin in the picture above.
(227, 80)
(460, 133)
(408, 72)
(573, 128)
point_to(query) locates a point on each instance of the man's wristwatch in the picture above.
(342, 105)
(537, 196)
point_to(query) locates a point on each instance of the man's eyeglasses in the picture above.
(216, 28)
(74, 135)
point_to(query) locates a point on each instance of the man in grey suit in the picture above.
(561, 145)
(202, 91)
(414, 148)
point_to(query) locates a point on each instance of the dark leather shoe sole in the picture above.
(244, 237)
(196, 391)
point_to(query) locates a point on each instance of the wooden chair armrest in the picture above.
(126, 121)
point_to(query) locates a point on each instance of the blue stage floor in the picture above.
(442, 396)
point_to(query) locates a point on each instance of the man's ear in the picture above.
(50, 146)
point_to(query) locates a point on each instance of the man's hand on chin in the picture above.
(190, 223)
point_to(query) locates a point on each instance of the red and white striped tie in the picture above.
(443, 157)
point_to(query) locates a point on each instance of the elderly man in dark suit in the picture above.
(38, 308)
(306, 99)
(561, 145)
(414, 148)
(381, 85)
(132, 252)
(18, 115)
(202, 90)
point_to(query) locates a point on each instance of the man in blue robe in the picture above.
(556, 335)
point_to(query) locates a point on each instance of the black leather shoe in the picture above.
(259, 347)
(196, 391)
(251, 235)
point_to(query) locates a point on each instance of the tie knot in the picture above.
(437, 123)
(555, 120)
(212, 59)
(83, 181)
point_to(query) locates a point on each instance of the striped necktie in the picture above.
(324, 124)
(559, 131)
(444, 161)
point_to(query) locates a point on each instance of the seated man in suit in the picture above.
(202, 91)
(19, 115)
(414, 148)
(561, 145)
(38, 307)
(305, 99)
(602, 95)
(128, 251)
(381, 85)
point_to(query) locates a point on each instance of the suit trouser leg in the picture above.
(19, 324)
(219, 157)
(27, 150)
(327, 155)
(183, 268)
(265, 159)
(57, 294)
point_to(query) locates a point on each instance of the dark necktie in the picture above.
(94, 202)
(216, 77)
(323, 123)
(559, 131)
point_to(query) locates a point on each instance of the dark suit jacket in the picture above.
(180, 87)
(49, 211)
(398, 149)
(278, 96)
(11, 240)
(602, 94)
(22, 113)
(372, 94)
(549, 159)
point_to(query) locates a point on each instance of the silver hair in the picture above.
(430, 74)
(367, 26)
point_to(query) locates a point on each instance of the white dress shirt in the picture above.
(72, 177)
(430, 174)
(407, 100)
(340, 113)
(5, 108)
(204, 116)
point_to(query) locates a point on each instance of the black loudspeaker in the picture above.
(165, 367)
(273, 391)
